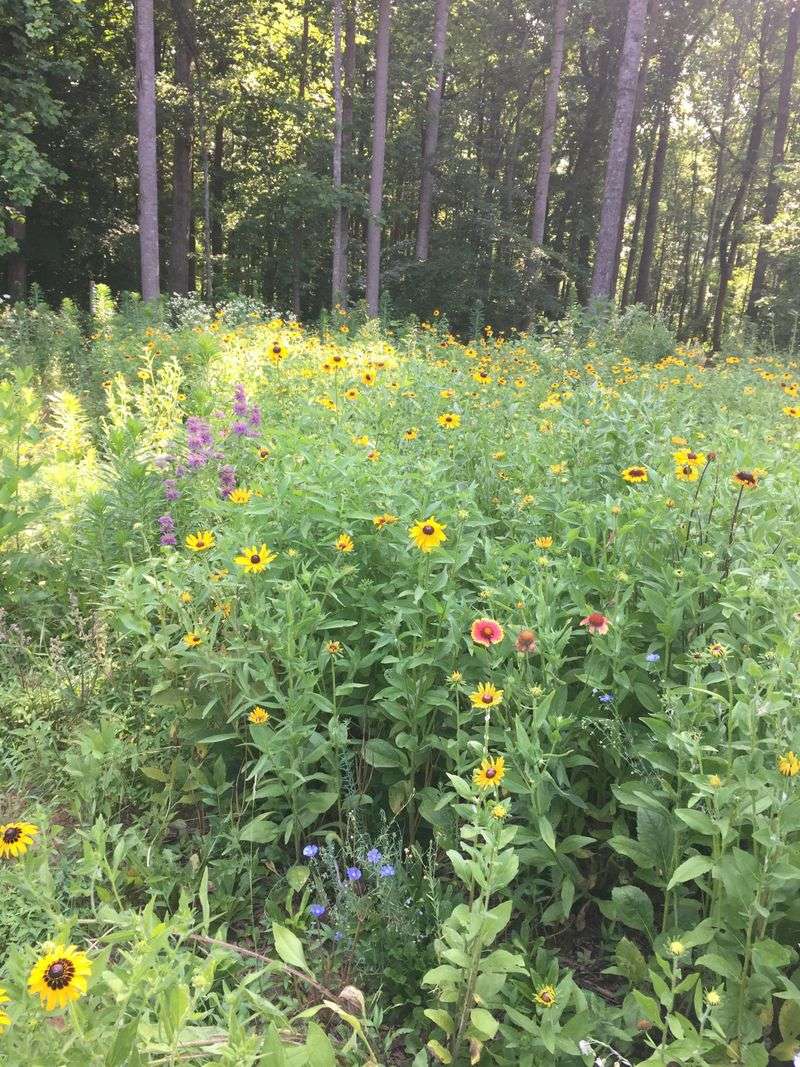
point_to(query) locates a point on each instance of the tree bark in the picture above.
(549, 115)
(297, 225)
(642, 294)
(773, 194)
(603, 277)
(686, 263)
(378, 157)
(147, 148)
(338, 264)
(17, 263)
(182, 150)
(431, 142)
(729, 233)
(217, 188)
(633, 251)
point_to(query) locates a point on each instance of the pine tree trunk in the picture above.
(603, 279)
(338, 265)
(549, 114)
(729, 233)
(182, 151)
(431, 142)
(147, 147)
(642, 294)
(773, 194)
(378, 157)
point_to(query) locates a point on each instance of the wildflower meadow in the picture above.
(374, 696)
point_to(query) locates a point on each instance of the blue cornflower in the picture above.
(652, 657)
(386, 871)
(374, 856)
(310, 851)
(353, 873)
(317, 910)
(338, 935)
(606, 698)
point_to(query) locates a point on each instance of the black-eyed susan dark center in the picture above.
(255, 558)
(427, 530)
(490, 771)
(59, 974)
(12, 835)
(487, 698)
(636, 472)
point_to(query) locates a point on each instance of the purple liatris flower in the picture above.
(374, 856)
(196, 460)
(353, 874)
(386, 871)
(310, 851)
(168, 539)
(198, 433)
(317, 910)
(227, 480)
(167, 523)
(239, 428)
(171, 489)
(255, 417)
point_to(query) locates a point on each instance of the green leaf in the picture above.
(289, 947)
(649, 1007)
(630, 961)
(318, 1047)
(484, 1023)
(442, 1019)
(439, 1051)
(297, 877)
(768, 953)
(633, 907)
(690, 870)
(120, 1051)
(789, 1020)
(380, 753)
(546, 830)
(259, 831)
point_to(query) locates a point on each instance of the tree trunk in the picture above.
(633, 251)
(338, 265)
(549, 114)
(773, 194)
(17, 263)
(729, 234)
(642, 294)
(431, 143)
(297, 225)
(378, 157)
(147, 149)
(603, 279)
(217, 188)
(182, 150)
(686, 264)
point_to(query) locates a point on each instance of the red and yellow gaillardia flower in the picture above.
(16, 838)
(428, 534)
(60, 976)
(596, 623)
(634, 474)
(200, 541)
(387, 519)
(490, 773)
(526, 641)
(745, 479)
(254, 558)
(486, 632)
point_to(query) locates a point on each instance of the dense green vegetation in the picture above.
(374, 697)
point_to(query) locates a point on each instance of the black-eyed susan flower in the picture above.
(545, 996)
(5, 1019)
(717, 650)
(369, 378)
(450, 420)
(634, 474)
(351, 394)
(277, 351)
(200, 541)
(333, 648)
(263, 453)
(687, 455)
(16, 838)
(254, 558)
(387, 519)
(344, 543)
(411, 434)
(544, 542)
(788, 765)
(482, 376)
(240, 496)
(258, 716)
(490, 773)
(745, 479)
(192, 639)
(792, 411)
(687, 473)
(428, 534)
(486, 632)
(374, 455)
(486, 696)
(60, 976)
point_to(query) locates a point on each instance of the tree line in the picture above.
(495, 159)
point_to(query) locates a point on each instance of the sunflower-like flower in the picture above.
(258, 716)
(333, 648)
(546, 996)
(634, 474)
(254, 559)
(428, 534)
(717, 650)
(486, 696)
(543, 542)
(450, 420)
(793, 411)
(240, 496)
(200, 541)
(277, 351)
(686, 455)
(745, 479)
(387, 519)
(687, 472)
(16, 838)
(789, 765)
(192, 639)
(369, 377)
(596, 623)
(411, 434)
(60, 976)
(5, 1020)
(490, 773)
(486, 632)
(344, 543)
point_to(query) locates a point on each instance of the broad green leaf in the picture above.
(289, 947)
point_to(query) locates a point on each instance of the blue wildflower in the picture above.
(652, 657)
(374, 856)
(317, 910)
(606, 698)
(386, 871)
(353, 873)
(310, 851)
